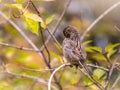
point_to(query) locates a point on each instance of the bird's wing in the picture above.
(68, 49)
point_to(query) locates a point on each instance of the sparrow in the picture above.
(73, 49)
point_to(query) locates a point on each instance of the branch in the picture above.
(18, 47)
(45, 46)
(39, 70)
(53, 73)
(114, 84)
(102, 68)
(117, 28)
(99, 18)
(51, 35)
(39, 14)
(110, 73)
(93, 80)
(40, 30)
(58, 23)
(54, 38)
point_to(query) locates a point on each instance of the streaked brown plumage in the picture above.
(72, 48)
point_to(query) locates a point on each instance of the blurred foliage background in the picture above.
(80, 13)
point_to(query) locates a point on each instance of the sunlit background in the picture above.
(80, 13)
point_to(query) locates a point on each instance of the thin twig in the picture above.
(117, 28)
(53, 37)
(40, 30)
(39, 14)
(22, 11)
(43, 41)
(58, 23)
(114, 84)
(39, 70)
(93, 80)
(110, 73)
(53, 73)
(90, 77)
(102, 68)
(99, 18)
(18, 47)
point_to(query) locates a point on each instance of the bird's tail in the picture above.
(89, 71)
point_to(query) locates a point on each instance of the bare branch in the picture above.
(99, 18)
(53, 73)
(93, 80)
(102, 68)
(39, 70)
(40, 30)
(58, 23)
(54, 37)
(90, 77)
(18, 47)
(39, 14)
(114, 84)
(110, 73)
(117, 28)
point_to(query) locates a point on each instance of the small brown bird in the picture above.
(73, 50)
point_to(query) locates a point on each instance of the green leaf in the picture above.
(97, 49)
(111, 53)
(99, 57)
(87, 81)
(87, 49)
(33, 25)
(49, 19)
(94, 49)
(111, 46)
(16, 6)
(33, 16)
(98, 73)
(87, 42)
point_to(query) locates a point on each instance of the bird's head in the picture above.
(70, 31)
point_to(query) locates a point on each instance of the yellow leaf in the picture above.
(49, 20)
(43, 25)
(17, 6)
(33, 25)
(33, 16)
